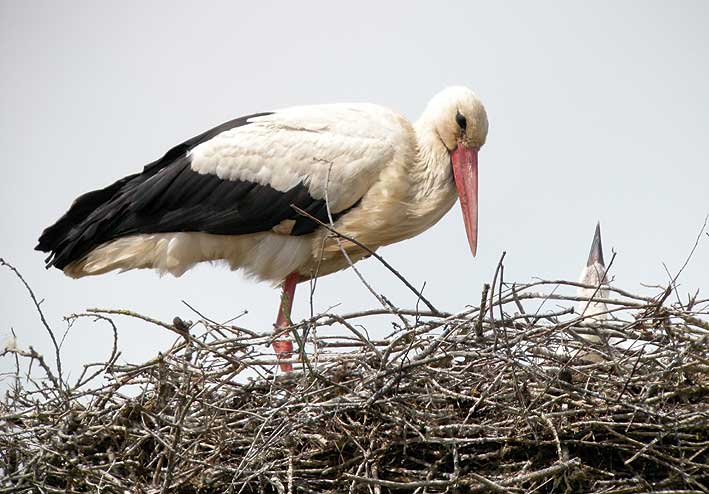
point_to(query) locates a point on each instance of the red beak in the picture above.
(465, 171)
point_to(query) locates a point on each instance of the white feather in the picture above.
(265, 256)
(341, 147)
(593, 275)
(9, 344)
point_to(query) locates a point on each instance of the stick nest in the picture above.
(521, 395)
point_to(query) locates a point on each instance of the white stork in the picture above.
(594, 274)
(228, 194)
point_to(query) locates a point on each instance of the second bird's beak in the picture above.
(465, 171)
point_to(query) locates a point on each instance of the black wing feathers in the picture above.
(168, 196)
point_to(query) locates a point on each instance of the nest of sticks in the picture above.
(520, 394)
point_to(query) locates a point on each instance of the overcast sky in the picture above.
(598, 111)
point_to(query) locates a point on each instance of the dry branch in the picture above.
(454, 403)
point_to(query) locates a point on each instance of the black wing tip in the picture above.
(596, 253)
(43, 245)
(58, 239)
(47, 240)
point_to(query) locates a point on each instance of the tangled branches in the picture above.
(523, 395)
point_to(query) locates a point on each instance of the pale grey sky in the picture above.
(598, 111)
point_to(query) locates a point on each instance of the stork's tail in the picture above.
(67, 240)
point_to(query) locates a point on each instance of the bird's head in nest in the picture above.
(459, 120)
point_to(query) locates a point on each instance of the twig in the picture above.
(481, 314)
(58, 360)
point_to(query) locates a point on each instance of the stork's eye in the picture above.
(462, 123)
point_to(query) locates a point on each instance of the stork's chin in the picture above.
(465, 171)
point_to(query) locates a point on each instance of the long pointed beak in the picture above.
(596, 254)
(465, 172)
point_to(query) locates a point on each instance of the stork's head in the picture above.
(459, 120)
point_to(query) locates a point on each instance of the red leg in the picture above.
(284, 347)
